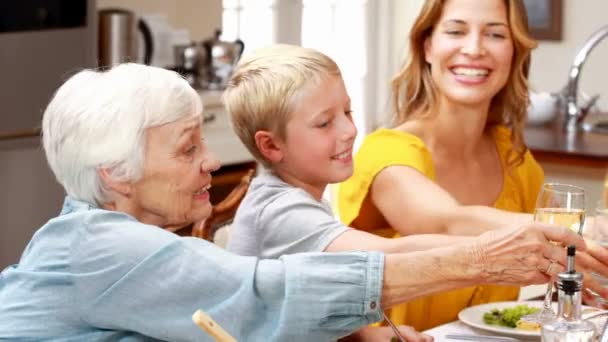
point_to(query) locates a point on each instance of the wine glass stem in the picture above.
(548, 297)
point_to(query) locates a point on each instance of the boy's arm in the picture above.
(360, 240)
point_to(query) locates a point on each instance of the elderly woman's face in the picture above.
(173, 190)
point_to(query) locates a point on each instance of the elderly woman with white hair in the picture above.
(127, 147)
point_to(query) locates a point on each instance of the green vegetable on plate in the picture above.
(508, 317)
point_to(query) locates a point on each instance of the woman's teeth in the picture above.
(475, 72)
(202, 190)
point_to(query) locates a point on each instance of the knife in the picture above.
(467, 337)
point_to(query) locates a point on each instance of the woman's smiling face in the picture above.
(173, 190)
(470, 51)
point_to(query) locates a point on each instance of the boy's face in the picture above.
(319, 137)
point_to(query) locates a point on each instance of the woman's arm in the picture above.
(298, 224)
(167, 278)
(353, 240)
(413, 204)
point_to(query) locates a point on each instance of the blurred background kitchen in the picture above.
(42, 42)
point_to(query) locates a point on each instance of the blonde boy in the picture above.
(290, 108)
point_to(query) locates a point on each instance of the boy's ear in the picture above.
(123, 188)
(269, 146)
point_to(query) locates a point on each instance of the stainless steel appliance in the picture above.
(42, 42)
(118, 37)
(191, 61)
(208, 65)
(222, 57)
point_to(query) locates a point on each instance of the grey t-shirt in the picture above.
(276, 218)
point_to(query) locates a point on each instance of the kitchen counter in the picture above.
(218, 132)
(549, 143)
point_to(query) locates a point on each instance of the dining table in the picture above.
(442, 332)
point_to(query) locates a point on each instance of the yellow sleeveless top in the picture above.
(386, 147)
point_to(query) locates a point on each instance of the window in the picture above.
(250, 20)
(338, 28)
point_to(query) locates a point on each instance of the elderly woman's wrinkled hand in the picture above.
(530, 254)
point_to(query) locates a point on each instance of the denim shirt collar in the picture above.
(72, 205)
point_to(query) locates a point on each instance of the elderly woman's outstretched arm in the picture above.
(117, 277)
(519, 256)
(321, 296)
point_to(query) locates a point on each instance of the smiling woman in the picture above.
(129, 173)
(456, 148)
(470, 52)
(170, 196)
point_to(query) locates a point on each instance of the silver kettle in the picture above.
(221, 58)
(191, 62)
(118, 41)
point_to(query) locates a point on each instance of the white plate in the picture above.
(473, 316)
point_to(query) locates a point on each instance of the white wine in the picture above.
(573, 219)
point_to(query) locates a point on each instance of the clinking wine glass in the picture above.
(563, 205)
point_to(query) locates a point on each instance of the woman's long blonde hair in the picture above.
(414, 92)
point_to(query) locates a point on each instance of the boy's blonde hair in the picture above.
(265, 88)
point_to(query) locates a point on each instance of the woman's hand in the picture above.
(595, 259)
(386, 334)
(525, 255)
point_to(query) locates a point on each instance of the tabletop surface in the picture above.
(457, 327)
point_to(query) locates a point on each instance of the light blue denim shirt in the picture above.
(91, 274)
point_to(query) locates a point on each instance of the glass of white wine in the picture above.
(563, 205)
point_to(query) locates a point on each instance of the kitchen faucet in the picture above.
(575, 113)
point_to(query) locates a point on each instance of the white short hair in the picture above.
(98, 119)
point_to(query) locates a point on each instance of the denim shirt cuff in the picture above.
(375, 279)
